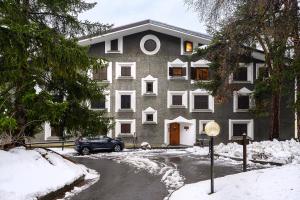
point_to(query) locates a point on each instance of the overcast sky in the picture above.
(121, 12)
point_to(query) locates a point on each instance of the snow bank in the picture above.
(28, 174)
(281, 183)
(272, 151)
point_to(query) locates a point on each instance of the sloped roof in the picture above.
(143, 26)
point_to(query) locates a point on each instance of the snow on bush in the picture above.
(145, 145)
(272, 151)
(29, 174)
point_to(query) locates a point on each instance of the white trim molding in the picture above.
(243, 92)
(147, 111)
(250, 126)
(178, 63)
(109, 73)
(202, 63)
(211, 101)
(108, 46)
(150, 37)
(249, 67)
(201, 122)
(184, 99)
(257, 66)
(119, 65)
(118, 94)
(195, 45)
(127, 121)
(154, 81)
(107, 102)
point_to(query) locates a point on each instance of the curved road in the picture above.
(120, 182)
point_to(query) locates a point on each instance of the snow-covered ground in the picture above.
(29, 174)
(272, 151)
(279, 183)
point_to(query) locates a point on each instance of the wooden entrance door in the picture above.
(174, 134)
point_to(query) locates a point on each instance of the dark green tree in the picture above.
(43, 71)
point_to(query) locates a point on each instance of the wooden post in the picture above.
(244, 152)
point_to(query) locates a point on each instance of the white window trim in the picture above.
(182, 52)
(118, 94)
(201, 122)
(211, 101)
(150, 37)
(257, 66)
(109, 73)
(149, 78)
(249, 73)
(184, 99)
(246, 92)
(202, 63)
(149, 110)
(132, 65)
(107, 102)
(108, 46)
(178, 63)
(118, 127)
(250, 126)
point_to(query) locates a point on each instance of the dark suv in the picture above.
(86, 145)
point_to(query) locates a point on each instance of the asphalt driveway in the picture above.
(122, 181)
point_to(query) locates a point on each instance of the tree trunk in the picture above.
(275, 116)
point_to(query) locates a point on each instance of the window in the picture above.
(125, 101)
(240, 74)
(125, 128)
(243, 102)
(126, 71)
(261, 71)
(98, 104)
(239, 126)
(239, 129)
(114, 46)
(149, 116)
(202, 124)
(188, 47)
(177, 70)
(100, 74)
(149, 87)
(201, 102)
(150, 44)
(177, 100)
(201, 74)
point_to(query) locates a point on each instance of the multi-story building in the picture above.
(151, 94)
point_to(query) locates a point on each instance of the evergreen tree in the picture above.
(43, 71)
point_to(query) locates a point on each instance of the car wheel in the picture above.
(117, 148)
(85, 151)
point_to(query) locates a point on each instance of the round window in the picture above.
(150, 44)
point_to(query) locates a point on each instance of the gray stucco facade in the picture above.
(157, 66)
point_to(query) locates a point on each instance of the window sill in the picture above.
(203, 110)
(177, 106)
(249, 82)
(239, 138)
(178, 78)
(125, 77)
(150, 94)
(150, 123)
(98, 109)
(125, 110)
(125, 135)
(242, 110)
(113, 51)
(196, 81)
